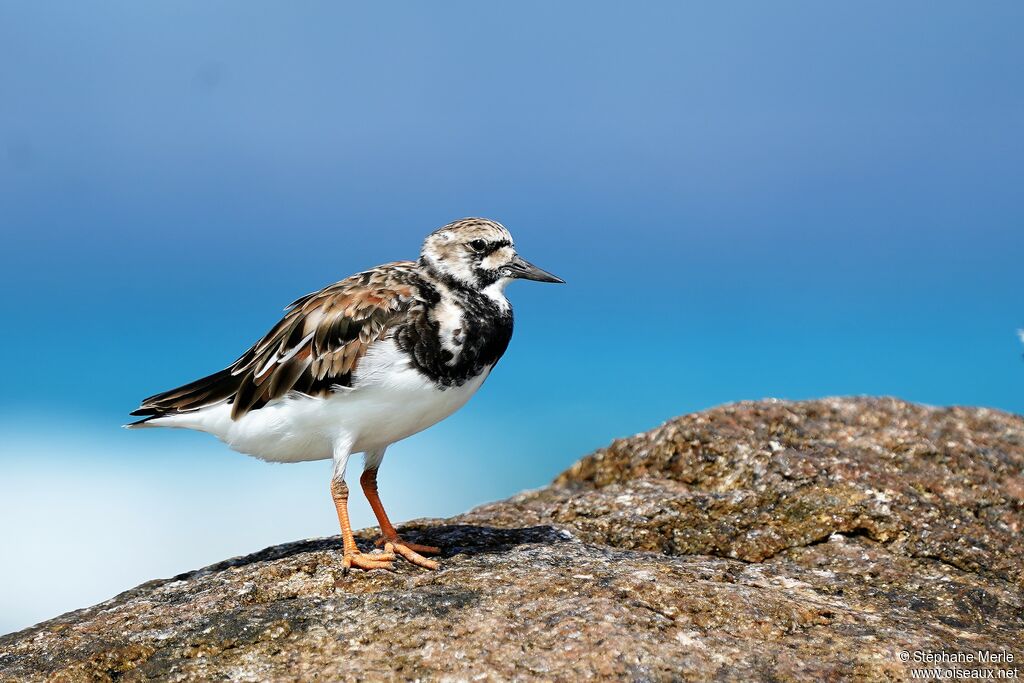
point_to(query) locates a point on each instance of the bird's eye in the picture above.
(478, 245)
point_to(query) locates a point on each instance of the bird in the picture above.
(364, 363)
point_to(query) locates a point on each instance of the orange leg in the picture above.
(353, 557)
(390, 538)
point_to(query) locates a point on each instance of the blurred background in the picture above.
(747, 200)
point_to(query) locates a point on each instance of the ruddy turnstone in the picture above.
(364, 363)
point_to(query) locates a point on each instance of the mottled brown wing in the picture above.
(316, 346)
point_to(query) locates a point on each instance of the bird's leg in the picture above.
(389, 536)
(353, 557)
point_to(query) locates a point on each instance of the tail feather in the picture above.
(143, 423)
(206, 391)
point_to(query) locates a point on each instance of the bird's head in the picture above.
(478, 253)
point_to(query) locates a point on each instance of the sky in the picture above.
(746, 199)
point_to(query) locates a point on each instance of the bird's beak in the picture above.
(522, 269)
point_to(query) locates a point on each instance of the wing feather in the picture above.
(316, 346)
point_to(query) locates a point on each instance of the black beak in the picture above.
(522, 269)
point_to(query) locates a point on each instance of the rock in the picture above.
(756, 541)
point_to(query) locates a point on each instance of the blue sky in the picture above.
(747, 200)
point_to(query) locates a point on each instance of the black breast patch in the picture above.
(484, 334)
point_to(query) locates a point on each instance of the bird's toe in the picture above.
(415, 547)
(368, 561)
(411, 552)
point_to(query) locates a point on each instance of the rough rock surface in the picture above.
(756, 541)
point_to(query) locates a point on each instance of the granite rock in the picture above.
(756, 541)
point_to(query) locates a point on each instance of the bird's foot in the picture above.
(361, 560)
(410, 551)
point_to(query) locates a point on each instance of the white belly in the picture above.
(392, 402)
